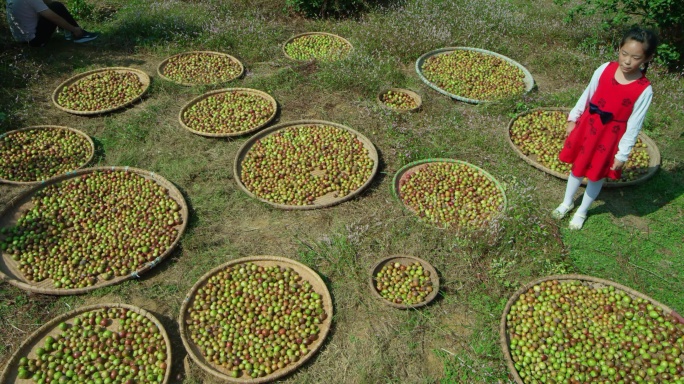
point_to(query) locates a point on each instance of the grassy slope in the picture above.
(632, 236)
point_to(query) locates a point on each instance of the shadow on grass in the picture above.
(645, 199)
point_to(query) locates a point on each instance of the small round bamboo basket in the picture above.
(142, 76)
(9, 268)
(415, 166)
(504, 337)
(162, 66)
(249, 91)
(266, 261)
(405, 260)
(322, 201)
(37, 338)
(291, 39)
(51, 127)
(416, 98)
(651, 149)
(529, 81)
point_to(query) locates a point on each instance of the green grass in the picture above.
(632, 236)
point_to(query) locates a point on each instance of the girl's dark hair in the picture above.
(645, 36)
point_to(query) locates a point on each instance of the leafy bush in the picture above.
(81, 9)
(666, 16)
(323, 8)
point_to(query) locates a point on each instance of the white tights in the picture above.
(590, 193)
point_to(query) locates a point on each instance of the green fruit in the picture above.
(101, 91)
(228, 112)
(40, 153)
(474, 75)
(319, 47)
(201, 68)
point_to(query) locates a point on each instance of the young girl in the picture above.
(603, 126)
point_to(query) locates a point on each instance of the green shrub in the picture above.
(666, 16)
(81, 9)
(323, 8)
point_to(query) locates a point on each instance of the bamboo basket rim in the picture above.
(10, 274)
(162, 65)
(414, 95)
(304, 271)
(529, 81)
(434, 277)
(424, 162)
(291, 39)
(46, 329)
(252, 91)
(244, 149)
(651, 149)
(504, 339)
(142, 76)
(82, 134)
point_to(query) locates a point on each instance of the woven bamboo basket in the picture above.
(651, 149)
(37, 338)
(416, 98)
(51, 127)
(291, 39)
(9, 270)
(250, 91)
(322, 201)
(162, 65)
(142, 76)
(267, 261)
(504, 337)
(529, 81)
(410, 168)
(405, 260)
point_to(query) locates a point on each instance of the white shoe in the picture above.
(561, 211)
(577, 221)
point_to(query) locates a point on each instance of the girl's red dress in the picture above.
(591, 147)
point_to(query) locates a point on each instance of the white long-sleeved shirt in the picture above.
(634, 123)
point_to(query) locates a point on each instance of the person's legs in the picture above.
(62, 10)
(46, 28)
(574, 183)
(590, 194)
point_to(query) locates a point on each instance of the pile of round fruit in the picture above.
(114, 345)
(474, 75)
(398, 100)
(404, 284)
(570, 332)
(40, 153)
(541, 134)
(251, 320)
(451, 194)
(201, 68)
(229, 112)
(298, 164)
(322, 47)
(92, 228)
(101, 91)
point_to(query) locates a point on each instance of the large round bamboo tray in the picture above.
(37, 338)
(417, 165)
(529, 81)
(322, 201)
(651, 149)
(591, 281)
(250, 91)
(405, 260)
(51, 127)
(162, 65)
(305, 272)
(416, 98)
(291, 39)
(142, 76)
(9, 270)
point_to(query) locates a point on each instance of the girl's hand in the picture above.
(569, 128)
(617, 165)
